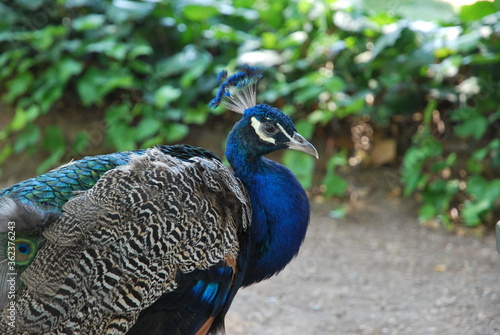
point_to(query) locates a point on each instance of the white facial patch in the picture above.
(256, 125)
(284, 132)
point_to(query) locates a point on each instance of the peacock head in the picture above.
(262, 129)
(268, 129)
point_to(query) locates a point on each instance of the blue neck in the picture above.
(280, 210)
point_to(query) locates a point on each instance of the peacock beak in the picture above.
(299, 143)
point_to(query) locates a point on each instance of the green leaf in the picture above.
(477, 10)
(474, 166)
(96, 83)
(51, 95)
(305, 128)
(269, 40)
(486, 58)
(308, 93)
(44, 38)
(476, 185)
(337, 160)
(302, 166)
(335, 84)
(338, 213)
(121, 136)
(196, 115)
(27, 138)
(448, 162)
(320, 116)
(81, 143)
(30, 4)
(66, 68)
(18, 86)
(197, 69)
(174, 131)
(53, 159)
(475, 127)
(55, 143)
(5, 152)
(473, 211)
(335, 184)
(156, 140)
(146, 128)
(427, 211)
(429, 108)
(199, 12)
(88, 22)
(101, 46)
(140, 50)
(385, 41)
(23, 116)
(53, 139)
(123, 10)
(165, 95)
(178, 63)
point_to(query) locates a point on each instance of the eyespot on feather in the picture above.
(24, 251)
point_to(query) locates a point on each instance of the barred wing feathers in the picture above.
(118, 247)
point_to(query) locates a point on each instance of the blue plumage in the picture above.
(279, 223)
(280, 210)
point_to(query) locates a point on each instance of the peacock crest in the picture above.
(239, 91)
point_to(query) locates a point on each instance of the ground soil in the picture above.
(377, 271)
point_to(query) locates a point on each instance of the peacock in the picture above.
(154, 241)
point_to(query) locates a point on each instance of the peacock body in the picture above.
(154, 241)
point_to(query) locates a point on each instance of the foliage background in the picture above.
(416, 88)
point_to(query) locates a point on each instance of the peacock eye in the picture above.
(24, 251)
(269, 129)
(23, 248)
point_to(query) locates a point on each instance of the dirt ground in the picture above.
(377, 271)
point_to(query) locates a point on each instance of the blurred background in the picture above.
(410, 85)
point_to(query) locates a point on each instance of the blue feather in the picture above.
(246, 76)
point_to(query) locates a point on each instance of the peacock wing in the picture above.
(120, 246)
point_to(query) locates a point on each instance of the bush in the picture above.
(149, 68)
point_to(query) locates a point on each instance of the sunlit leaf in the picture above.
(199, 12)
(91, 21)
(124, 10)
(166, 94)
(23, 116)
(477, 10)
(95, 84)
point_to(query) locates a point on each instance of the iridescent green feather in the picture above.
(54, 188)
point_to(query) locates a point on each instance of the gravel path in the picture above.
(377, 271)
